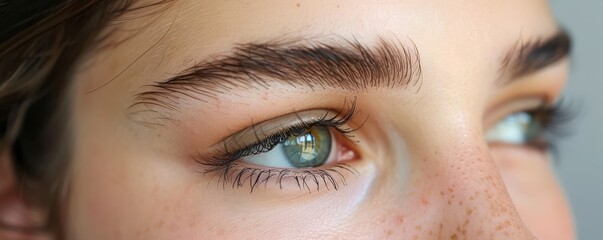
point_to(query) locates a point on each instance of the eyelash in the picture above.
(555, 120)
(237, 175)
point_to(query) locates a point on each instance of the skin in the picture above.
(425, 169)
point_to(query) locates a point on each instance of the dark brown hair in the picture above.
(41, 41)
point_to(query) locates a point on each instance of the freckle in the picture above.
(461, 203)
(466, 223)
(469, 211)
(424, 201)
(499, 227)
(442, 193)
(450, 189)
(449, 202)
(400, 218)
(418, 228)
(298, 5)
(430, 232)
(504, 209)
(389, 232)
(453, 236)
(440, 231)
(337, 5)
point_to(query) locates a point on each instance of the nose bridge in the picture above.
(471, 191)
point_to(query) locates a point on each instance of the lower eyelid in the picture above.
(541, 150)
(240, 175)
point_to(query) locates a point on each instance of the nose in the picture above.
(467, 196)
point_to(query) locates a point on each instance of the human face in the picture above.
(423, 84)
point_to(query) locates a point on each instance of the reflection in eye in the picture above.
(309, 149)
(536, 128)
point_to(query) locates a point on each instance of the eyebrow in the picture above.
(526, 57)
(344, 64)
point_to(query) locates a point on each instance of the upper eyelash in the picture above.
(555, 120)
(559, 116)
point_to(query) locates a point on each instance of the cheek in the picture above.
(539, 199)
(118, 193)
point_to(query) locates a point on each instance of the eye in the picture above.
(311, 148)
(517, 128)
(535, 128)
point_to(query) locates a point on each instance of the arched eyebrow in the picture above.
(526, 57)
(345, 64)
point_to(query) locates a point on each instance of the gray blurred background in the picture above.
(580, 166)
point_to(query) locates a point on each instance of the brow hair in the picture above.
(347, 65)
(529, 56)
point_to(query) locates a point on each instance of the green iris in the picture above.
(518, 128)
(310, 149)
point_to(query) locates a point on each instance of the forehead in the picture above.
(221, 23)
(439, 27)
(444, 31)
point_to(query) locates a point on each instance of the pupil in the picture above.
(311, 149)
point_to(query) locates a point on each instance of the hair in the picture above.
(41, 42)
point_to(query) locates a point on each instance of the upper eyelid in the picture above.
(256, 132)
(518, 104)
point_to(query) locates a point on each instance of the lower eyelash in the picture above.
(239, 176)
